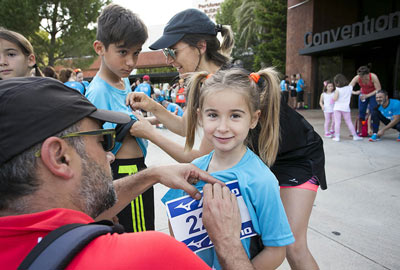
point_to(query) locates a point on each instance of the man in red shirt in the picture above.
(55, 170)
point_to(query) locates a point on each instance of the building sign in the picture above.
(384, 26)
(209, 7)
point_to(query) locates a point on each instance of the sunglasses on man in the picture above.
(108, 141)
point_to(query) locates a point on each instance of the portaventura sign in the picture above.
(368, 30)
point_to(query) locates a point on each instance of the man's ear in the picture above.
(99, 47)
(202, 45)
(56, 157)
(254, 119)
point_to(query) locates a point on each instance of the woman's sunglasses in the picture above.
(108, 141)
(172, 52)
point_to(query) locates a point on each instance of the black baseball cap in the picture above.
(189, 21)
(35, 108)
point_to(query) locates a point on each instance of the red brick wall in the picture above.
(299, 21)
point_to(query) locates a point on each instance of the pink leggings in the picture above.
(328, 118)
(347, 119)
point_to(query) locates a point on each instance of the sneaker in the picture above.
(357, 138)
(336, 139)
(374, 138)
(332, 132)
(328, 135)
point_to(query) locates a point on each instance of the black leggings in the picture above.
(138, 216)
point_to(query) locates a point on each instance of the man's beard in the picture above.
(97, 190)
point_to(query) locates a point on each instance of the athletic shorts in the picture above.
(300, 96)
(138, 216)
(293, 93)
(311, 184)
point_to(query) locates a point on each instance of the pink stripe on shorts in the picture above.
(311, 184)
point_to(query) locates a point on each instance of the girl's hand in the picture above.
(138, 100)
(142, 128)
(322, 107)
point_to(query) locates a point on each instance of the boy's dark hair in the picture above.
(340, 80)
(120, 25)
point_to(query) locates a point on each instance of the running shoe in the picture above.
(374, 138)
(336, 139)
(357, 138)
(328, 135)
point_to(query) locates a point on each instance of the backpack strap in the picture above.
(59, 247)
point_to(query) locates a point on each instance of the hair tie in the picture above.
(209, 75)
(34, 66)
(255, 77)
(218, 28)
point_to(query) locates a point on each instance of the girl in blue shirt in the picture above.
(227, 105)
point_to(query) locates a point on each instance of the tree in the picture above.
(260, 31)
(58, 29)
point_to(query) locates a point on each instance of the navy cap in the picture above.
(35, 108)
(189, 21)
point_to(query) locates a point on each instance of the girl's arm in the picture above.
(269, 258)
(144, 129)
(354, 81)
(321, 101)
(141, 101)
(336, 95)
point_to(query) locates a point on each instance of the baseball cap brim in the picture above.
(110, 116)
(166, 41)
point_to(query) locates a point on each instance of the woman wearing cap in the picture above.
(190, 44)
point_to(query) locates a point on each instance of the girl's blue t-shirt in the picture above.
(260, 191)
(106, 97)
(76, 85)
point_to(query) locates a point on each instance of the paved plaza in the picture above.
(355, 223)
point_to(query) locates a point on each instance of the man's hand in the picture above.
(138, 100)
(183, 176)
(221, 218)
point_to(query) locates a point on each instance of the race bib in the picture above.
(185, 216)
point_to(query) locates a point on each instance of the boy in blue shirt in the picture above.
(300, 85)
(172, 107)
(119, 40)
(387, 111)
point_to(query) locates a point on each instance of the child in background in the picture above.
(341, 108)
(120, 36)
(172, 107)
(227, 106)
(17, 58)
(326, 102)
(68, 77)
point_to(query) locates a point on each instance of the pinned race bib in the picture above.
(185, 216)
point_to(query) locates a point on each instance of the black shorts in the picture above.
(293, 93)
(138, 216)
(300, 97)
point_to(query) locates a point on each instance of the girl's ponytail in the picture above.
(38, 72)
(270, 101)
(193, 104)
(227, 40)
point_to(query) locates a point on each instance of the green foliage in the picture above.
(58, 29)
(260, 31)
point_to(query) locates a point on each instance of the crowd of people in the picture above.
(373, 103)
(80, 155)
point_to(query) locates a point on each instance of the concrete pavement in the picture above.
(355, 223)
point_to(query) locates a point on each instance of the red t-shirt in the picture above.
(146, 250)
